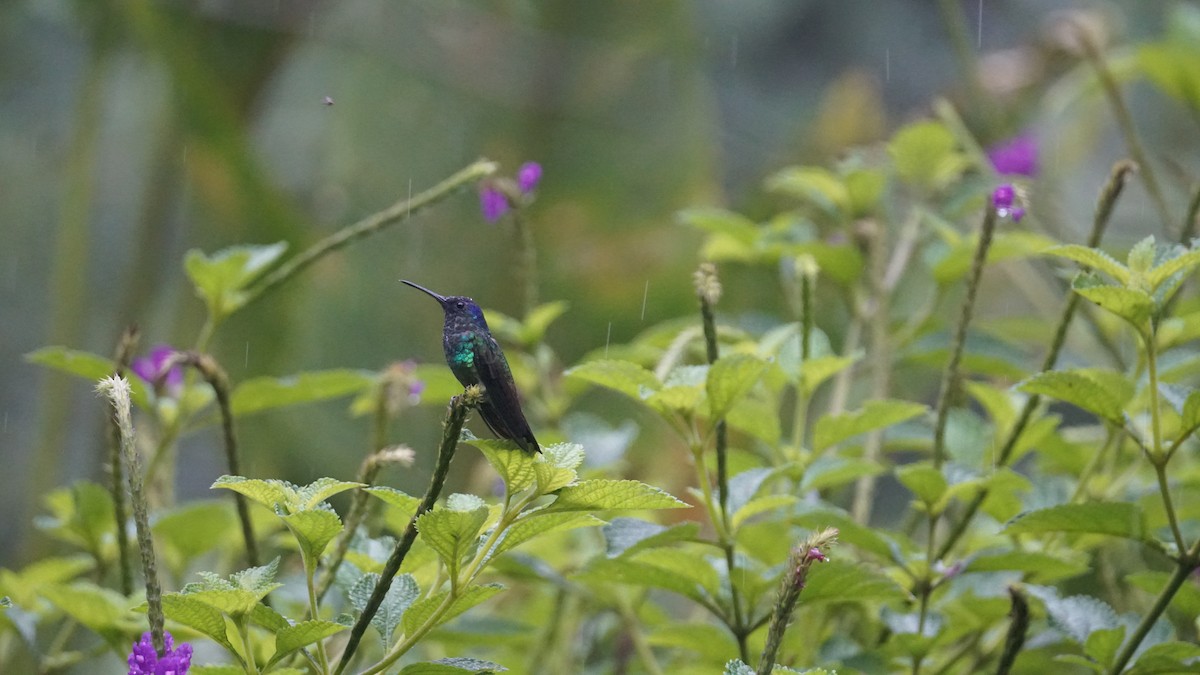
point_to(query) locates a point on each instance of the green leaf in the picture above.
(1167, 658)
(528, 527)
(1191, 411)
(604, 572)
(604, 494)
(1102, 645)
(816, 371)
(197, 615)
(399, 597)
(88, 366)
(622, 376)
(555, 468)
(514, 465)
(1174, 68)
(423, 610)
(704, 640)
(877, 414)
(451, 532)
(210, 669)
(760, 505)
(405, 503)
(103, 611)
(730, 377)
(864, 187)
(1186, 600)
(813, 185)
(1042, 567)
(736, 667)
(1006, 245)
(265, 393)
(312, 495)
(266, 492)
(837, 581)
(1093, 258)
(452, 666)
(238, 595)
(720, 221)
(831, 471)
(924, 155)
(219, 279)
(313, 530)
(1118, 519)
(924, 481)
(626, 536)
(1079, 388)
(193, 529)
(1077, 616)
(302, 634)
(1132, 304)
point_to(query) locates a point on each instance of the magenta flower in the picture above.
(1004, 199)
(149, 368)
(528, 177)
(1018, 156)
(493, 202)
(143, 660)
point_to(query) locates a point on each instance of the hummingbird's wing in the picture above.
(501, 407)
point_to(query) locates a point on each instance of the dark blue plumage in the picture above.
(475, 358)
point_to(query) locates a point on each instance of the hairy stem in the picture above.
(1184, 567)
(456, 416)
(124, 354)
(373, 223)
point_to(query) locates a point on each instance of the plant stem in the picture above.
(314, 613)
(528, 261)
(1184, 567)
(456, 416)
(1125, 123)
(881, 365)
(126, 346)
(216, 378)
(117, 390)
(1016, 630)
(632, 628)
(1104, 207)
(397, 212)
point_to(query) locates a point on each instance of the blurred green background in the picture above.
(133, 131)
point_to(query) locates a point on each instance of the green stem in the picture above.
(528, 261)
(126, 346)
(633, 630)
(397, 212)
(456, 416)
(1016, 630)
(314, 613)
(1183, 569)
(1104, 207)
(1192, 220)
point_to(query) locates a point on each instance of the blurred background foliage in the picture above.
(132, 131)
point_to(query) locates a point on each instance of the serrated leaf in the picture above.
(88, 366)
(312, 495)
(266, 492)
(605, 494)
(423, 610)
(728, 378)
(405, 503)
(626, 536)
(1078, 388)
(301, 634)
(736, 667)
(264, 393)
(1118, 519)
(831, 471)
(1102, 645)
(1077, 616)
(514, 465)
(268, 618)
(1132, 304)
(400, 596)
(219, 279)
(313, 531)
(528, 527)
(813, 185)
(877, 414)
(837, 581)
(453, 666)
(924, 481)
(103, 611)
(1094, 259)
(451, 533)
(1180, 264)
(622, 376)
(816, 371)
(924, 154)
(761, 505)
(198, 616)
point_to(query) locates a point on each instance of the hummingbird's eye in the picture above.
(460, 304)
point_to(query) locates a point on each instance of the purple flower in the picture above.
(143, 660)
(1018, 156)
(149, 368)
(493, 202)
(528, 176)
(1003, 196)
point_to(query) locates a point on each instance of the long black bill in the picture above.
(439, 298)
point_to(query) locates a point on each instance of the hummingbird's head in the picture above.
(459, 309)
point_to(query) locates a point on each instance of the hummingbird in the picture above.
(475, 358)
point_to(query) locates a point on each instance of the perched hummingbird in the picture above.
(475, 358)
